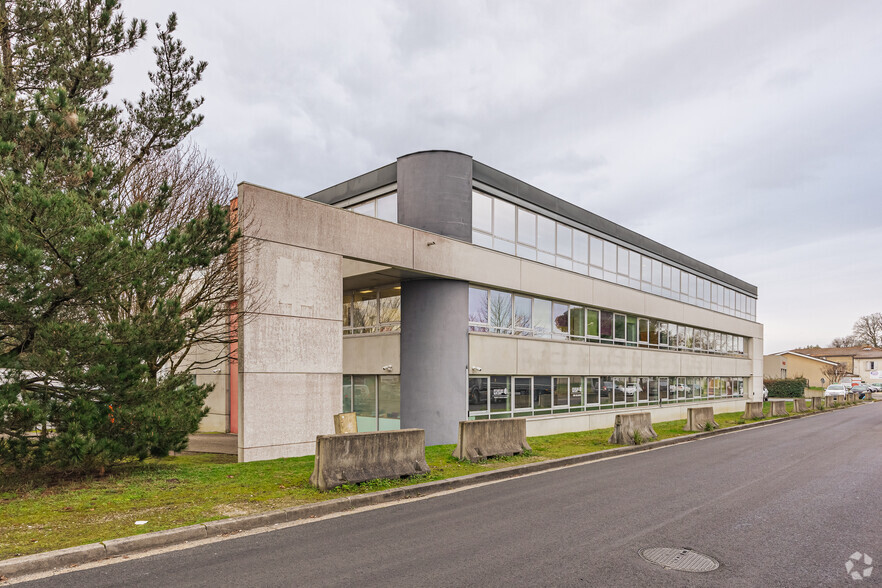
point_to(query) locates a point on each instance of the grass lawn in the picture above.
(41, 514)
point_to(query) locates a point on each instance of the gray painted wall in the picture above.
(434, 357)
(435, 193)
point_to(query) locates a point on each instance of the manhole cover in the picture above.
(682, 559)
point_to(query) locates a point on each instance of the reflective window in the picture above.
(526, 227)
(606, 325)
(596, 251)
(580, 247)
(387, 209)
(541, 394)
(561, 392)
(542, 317)
(478, 394)
(577, 323)
(546, 235)
(363, 312)
(364, 402)
(592, 391)
(523, 315)
(500, 394)
(504, 220)
(482, 212)
(500, 312)
(523, 393)
(478, 305)
(389, 403)
(592, 323)
(390, 308)
(564, 240)
(561, 319)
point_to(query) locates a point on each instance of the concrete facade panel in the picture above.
(616, 361)
(493, 354)
(659, 363)
(692, 364)
(731, 366)
(287, 410)
(283, 344)
(437, 255)
(540, 357)
(619, 298)
(295, 282)
(549, 282)
(369, 354)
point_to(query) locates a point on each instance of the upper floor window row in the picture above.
(494, 311)
(384, 207)
(502, 226)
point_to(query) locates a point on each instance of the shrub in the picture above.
(786, 387)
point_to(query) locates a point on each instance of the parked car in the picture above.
(835, 390)
(875, 387)
(861, 390)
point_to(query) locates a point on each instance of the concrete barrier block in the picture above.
(482, 439)
(818, 403)
(697, 418)
(779, 408)
(830, 401)
(753, 410)
(344, 423)
(630, 424)
(799, 405)
(359, 457)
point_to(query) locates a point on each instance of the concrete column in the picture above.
(434, 357)
(435, 193)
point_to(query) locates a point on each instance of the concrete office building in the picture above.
(437, 289)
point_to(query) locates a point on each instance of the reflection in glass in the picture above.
(482, 212)
(592, 323)
(527, 228)
(596, 252)
(500, 312)
(577, 323)
(347, 393)
(364, 402)
(653, 390)
(580, 247)
(503, 220)
(542, 317)
(523, 392)
(363, 312)
(620, 327)
(606, 390)
(631, 330)
(592, 391)
(478, 305)
(561, 391)
(619, 390)
(606, 324)
(500, 394)
(564, 241)
(477, 394)
(387, 208)
(541, 392)
(523, 315)
(546, 235)
(368, 208)
(389, 403)
(390, 309)
(575, 392)
(561, 319)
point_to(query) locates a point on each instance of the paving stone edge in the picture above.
(74, 556)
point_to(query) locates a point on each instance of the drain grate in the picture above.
(681, 559)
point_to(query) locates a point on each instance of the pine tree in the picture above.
(86, 296)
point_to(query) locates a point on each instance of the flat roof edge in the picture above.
(383, 176)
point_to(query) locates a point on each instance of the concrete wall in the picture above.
(606, 419)
(369, 354)
(291, 348)
(434, 355)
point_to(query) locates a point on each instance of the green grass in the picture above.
(40, 513)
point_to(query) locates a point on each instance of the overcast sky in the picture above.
(745, 134)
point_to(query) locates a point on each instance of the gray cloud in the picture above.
(744, 134)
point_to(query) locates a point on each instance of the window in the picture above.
(523, 393)
(523, 315)
(500, 394)
(500, 312)
(482, 213)
(542, 318)
(478, 307)
(561, 320)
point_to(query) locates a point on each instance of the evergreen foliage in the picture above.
(87, 298)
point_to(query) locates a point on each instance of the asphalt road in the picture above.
(782, 505)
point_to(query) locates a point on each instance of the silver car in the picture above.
(835, 390)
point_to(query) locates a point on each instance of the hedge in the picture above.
(786, 387)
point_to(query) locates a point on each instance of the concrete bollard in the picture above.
(697, 418)
(482, 439)
(779, 408)
(344, 423)
(632, 424)
(753, 410)
(799, 405)
(829, 401)
(359, 457)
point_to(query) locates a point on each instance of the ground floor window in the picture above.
(375, 400)
(507, 396)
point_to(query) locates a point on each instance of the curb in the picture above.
(74, 556)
